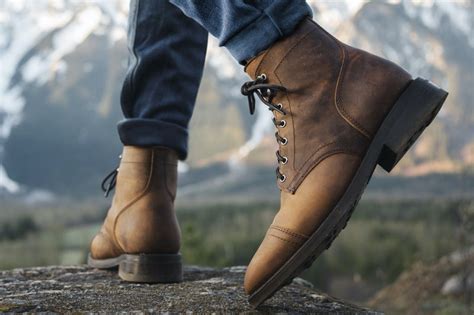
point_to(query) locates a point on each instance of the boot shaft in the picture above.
(141, 219)
(336, 96)
(146, 170)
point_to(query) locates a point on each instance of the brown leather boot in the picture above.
(339, 112)
(141, 234)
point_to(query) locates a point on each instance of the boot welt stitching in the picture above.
(289, 232)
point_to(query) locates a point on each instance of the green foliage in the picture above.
(35, 250)
(223, 235)
(18, 229)
(382, 239)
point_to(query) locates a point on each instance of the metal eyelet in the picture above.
(282, 178)
(263, 76)
(282, 123)
(284, 160)
(284, 141)
(279, 105)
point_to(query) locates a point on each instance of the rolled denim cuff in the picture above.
(264, 31)
(152, 133)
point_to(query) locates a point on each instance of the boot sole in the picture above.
(148, 268)
(414, 110)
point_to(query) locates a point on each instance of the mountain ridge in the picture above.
(62, 97)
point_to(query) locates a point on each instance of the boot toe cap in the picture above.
(277, 247)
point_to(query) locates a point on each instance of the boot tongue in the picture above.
(252, 66)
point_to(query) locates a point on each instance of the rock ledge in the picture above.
(82, 289)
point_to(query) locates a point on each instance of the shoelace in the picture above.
(109, 182)
(266, 92)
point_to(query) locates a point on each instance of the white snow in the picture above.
(41, 68)
(457, 13)
(6, 183)
(23, 25)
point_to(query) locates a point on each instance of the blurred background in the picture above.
(409, 246)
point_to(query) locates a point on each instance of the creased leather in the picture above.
(336, 98)
(141, 218)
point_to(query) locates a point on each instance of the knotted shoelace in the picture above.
(266, 92)
(109, 182)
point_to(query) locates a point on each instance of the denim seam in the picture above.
(136, 60)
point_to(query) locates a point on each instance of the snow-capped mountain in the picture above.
(62, 62)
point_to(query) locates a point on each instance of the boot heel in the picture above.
(414, 110)
(151, 268)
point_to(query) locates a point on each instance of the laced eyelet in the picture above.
(284, 141)
(282, 123)
(279, 105)
(263, 76)
(282, 178)
(284, 160)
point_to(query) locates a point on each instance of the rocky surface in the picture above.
(205, 290)
(443, 287)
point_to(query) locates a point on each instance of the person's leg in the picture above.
(246, 27)
(167, 53)
(141, 234)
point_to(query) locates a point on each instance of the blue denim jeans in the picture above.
(167, 42)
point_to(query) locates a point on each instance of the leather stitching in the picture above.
(138, 197)
(289, 232)
(165, 175)
(290, 114)
(300, 177)
(257, 70)
(350, 120)
(293, 47)
(304, 165)
(285, 240)
(260, 66)
(116, 250)
(338, 103)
